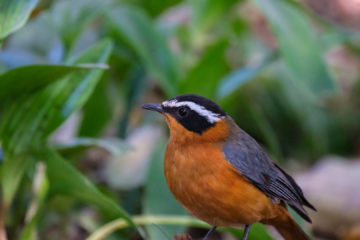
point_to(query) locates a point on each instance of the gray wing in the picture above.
(247, 156)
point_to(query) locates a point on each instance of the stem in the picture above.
(110, 227)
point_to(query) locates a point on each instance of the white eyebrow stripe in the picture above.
(209, 115)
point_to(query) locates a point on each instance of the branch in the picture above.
(110, 227)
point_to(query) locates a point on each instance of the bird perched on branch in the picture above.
(221, 175)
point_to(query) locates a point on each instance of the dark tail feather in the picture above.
(288, 228)
(299, 192)
(300, 210)
(309, 205)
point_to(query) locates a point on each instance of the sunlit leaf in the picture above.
(299, 45)
(30, 119)
(134, 28)
(205, 13)
(13, 15)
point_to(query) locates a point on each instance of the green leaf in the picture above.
(37, 43)
(266, 129)
(13, 15)
(97, 112)
(204, 77)
(207, 12)
(156, 7)
(65, 179)
(237, 78)
(157, 197)
(25, 79)
(134, 28)
(11, 174)
(134, 87)
(30, 119)
(71, 18)
(40, 191)
(299, 45)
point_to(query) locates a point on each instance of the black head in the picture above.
(194, 112)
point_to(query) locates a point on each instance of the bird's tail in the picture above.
(288, 228)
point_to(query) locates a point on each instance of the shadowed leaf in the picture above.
(65, 179)
(299, 45)
(136, 29)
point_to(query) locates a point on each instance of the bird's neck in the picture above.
(180, 135)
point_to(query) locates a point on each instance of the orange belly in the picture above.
(211, 189)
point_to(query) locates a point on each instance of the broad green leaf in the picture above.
(65, 179)
(204, 77)
(29, 78)
(134, 28)
(30, 119)
(299, 45)
(157, 197)
(13, 15)
(235, 79)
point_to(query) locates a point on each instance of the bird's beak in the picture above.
(153, 107)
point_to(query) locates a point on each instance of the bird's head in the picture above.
(191, 116)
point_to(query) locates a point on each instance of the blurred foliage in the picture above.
(86, 65)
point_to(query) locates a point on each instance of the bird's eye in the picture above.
(182, 111)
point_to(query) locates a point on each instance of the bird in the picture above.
(221, 175)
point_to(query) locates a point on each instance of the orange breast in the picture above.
(210, 188)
